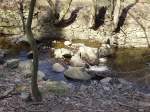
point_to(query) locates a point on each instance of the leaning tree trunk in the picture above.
(34, 87)
(116, 12)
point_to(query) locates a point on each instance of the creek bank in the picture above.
(103, 95)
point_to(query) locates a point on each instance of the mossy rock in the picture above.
(57, 87)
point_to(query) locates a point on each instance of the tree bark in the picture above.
(34, 86)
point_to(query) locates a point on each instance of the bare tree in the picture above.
(34, 86)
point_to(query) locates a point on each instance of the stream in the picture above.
(132, 64)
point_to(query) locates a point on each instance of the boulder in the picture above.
(88, 53)
(77, 73)
(25, 65)
(12, 63)
(77, 61)
(105, 50)
(58, 67)
(57, 87)
(58, 53)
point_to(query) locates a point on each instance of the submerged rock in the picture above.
(77, 73)
(58, 67)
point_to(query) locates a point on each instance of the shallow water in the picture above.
(130, 63)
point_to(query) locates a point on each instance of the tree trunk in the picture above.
(34, 87)
(116, 13)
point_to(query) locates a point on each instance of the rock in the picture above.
(67, 56)
(60, 52)
(41, 75)
(28, 74)
(22, 40)
(83, 87)
(105, 50)
(77, 61)
(12, 63)
(106, 80)
(25, 96)
(25, 65)
(102, 60)
(88, 53)
(77, 73)
(98, 68)
(30, 55)
(58, 67)
(2, 55)
(67, 43)
(58, 87)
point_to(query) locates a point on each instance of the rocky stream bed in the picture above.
(79, 84)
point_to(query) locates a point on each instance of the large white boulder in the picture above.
(77, 61)
(77, 73)
(105, 50)
(58, 53)
(88, 53)
(58, 67)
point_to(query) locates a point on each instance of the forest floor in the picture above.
(97, 96)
